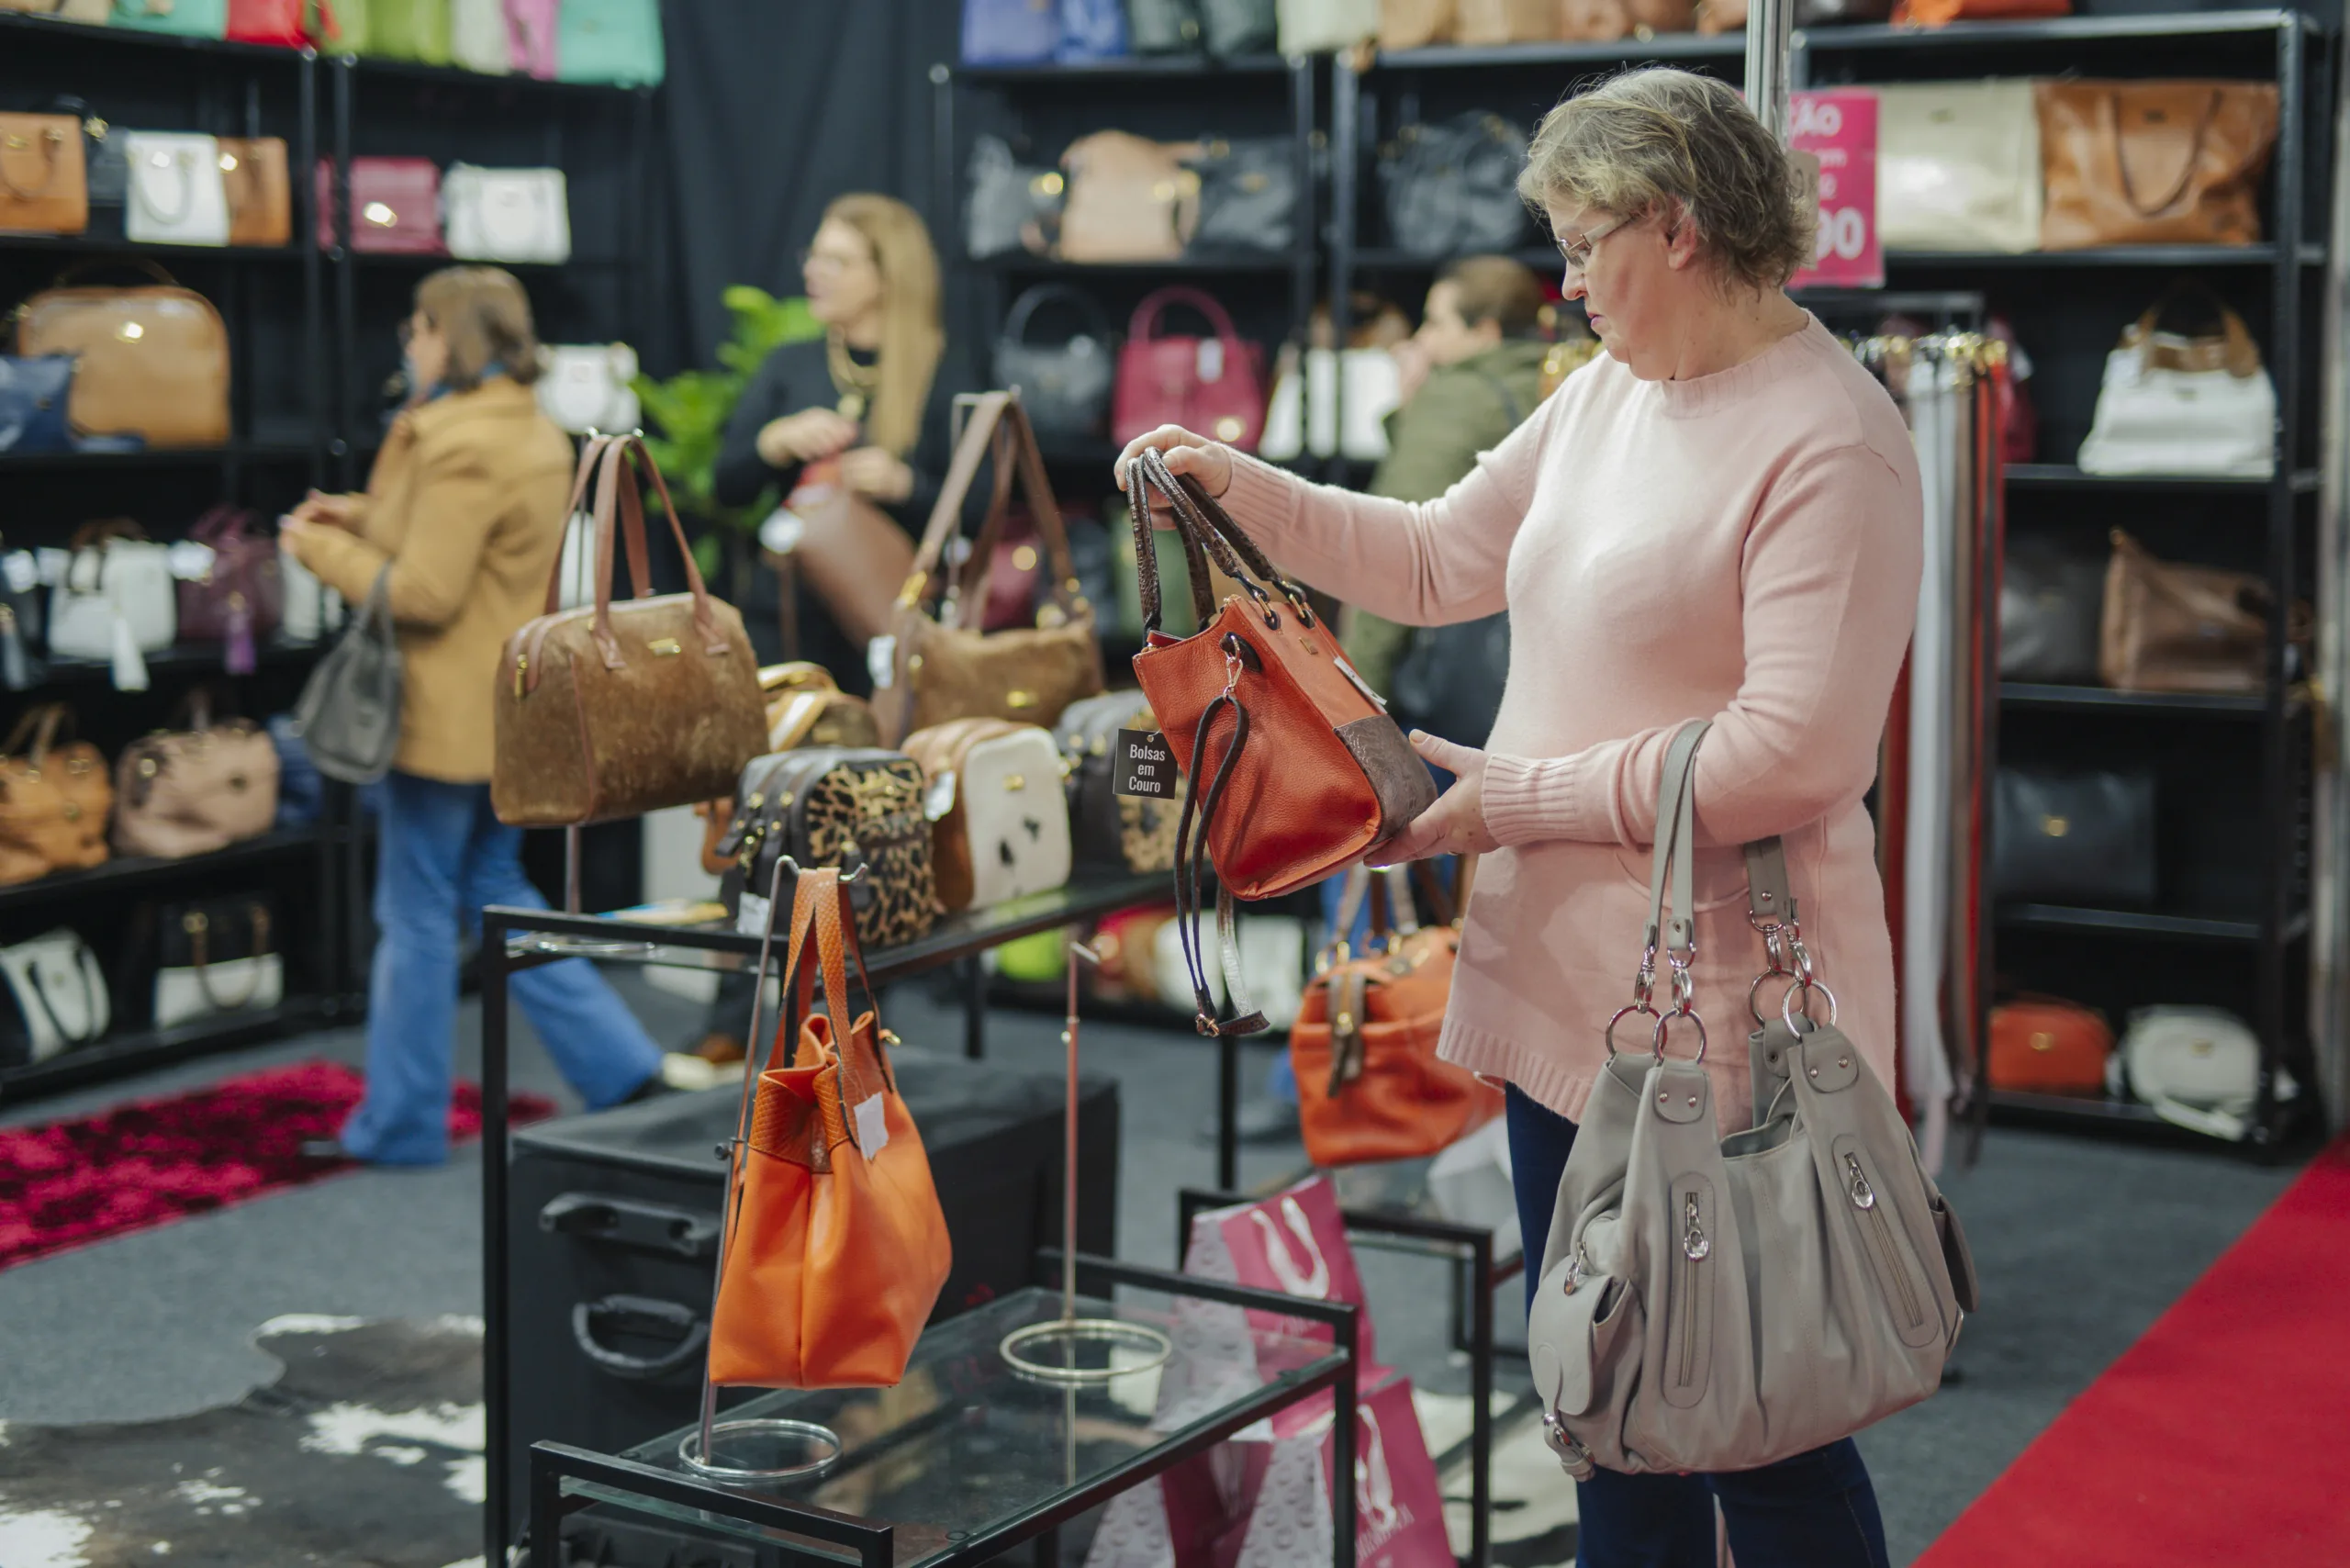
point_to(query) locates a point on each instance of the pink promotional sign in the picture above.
(1838, 127)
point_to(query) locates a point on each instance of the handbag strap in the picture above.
(1209, 535)
(198, 927)
(181, 159)
(40, 725)
(1671, 862)
(1190, 850)
(53, 140)
(2185, 173)
(994, 424)
(1144, 325)
(618, 513)
(1015, 324)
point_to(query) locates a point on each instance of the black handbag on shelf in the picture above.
(1450, 189)
(1109, 830)
(1248, 196)
(2052, 604)
(1012, 206)
(1065, 386)
(1165, 27)
(105, 168)
(217, 955)
(850, 807)
(2075, 838)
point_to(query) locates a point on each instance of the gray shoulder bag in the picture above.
(349, 713)
(1712, 1303)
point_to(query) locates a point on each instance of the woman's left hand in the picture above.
(1456, 823)
(876, 473)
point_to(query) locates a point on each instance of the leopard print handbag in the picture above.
(848, 806)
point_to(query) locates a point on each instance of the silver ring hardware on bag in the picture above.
(1664, 1023)
(1640, 1006)
(1788, 1004)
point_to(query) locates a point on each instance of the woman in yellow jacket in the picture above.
(465, 508)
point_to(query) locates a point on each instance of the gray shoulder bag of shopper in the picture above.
(349, 713)
(1713, 1304)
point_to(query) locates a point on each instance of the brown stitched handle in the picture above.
(197, 925)
(40, 724)
(1016, 453)
(53, 139)
(1138, 482)
(2185, 176)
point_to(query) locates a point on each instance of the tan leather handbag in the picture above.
(261, 194)
(1504, 21)
(2173, 628)
(999, 819)
(194, 790)
(154, 361)
(1130, 199)
(1413, 24)
(54, 798)
(614, 709)
(44, 187)
(948, 668)
(2165, 162)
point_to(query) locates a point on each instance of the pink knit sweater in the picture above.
(1744, 547)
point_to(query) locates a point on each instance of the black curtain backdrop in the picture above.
(772, 108)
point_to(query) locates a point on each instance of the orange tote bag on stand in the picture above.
(837, 1250)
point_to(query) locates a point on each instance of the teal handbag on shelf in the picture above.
(403, 29)
(609, 40)
(196, 18)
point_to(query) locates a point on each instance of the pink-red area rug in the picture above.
(148, 1163)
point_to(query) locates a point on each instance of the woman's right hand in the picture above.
(1209, 462)
(335, 511)
(804, 437)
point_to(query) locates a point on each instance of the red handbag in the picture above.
(394, 205)
(288, 24)
(1294, 767)
(1214, 386)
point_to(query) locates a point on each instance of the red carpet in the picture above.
(153, 1161)
(2222, 1436)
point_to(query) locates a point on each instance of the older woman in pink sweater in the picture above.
(1719, 518)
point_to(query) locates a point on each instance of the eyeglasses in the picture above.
(1577, 252)
(832, 261)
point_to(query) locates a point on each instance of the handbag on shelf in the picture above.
(1605, 21)
(1958, 167)
(312, 609)
(395, 207)
(260, 192)
(2164, 162)
(1305, 411)
(1012, 205)
(617, 709)
(1942, 13)
(841, 808)
(1450, 187)
(114, 601)
(805, 708)
(2075, 838)
(151, 360)
(88, 13)
(506, 215)
(947, 668)
(44, 183)
(35, 392)
(1011, 33)
(533, 30)
(192, 19)
(999, 825)
(1092, 31)
(54, 798)
(1247, 195)
(614, 41)
(2167, 627)
(1125, 834)
(1414, 24)
(1127, 198)
(585, 387)
(1065, 386)
(106, 175)
(2042, 1044)
(1231, 29)
(2199, 1068)
(23, 616)
(178, 197)
(835, 1248)
(2171, 403)
(1164, 27)
(1309, 772)
(415, 30)
(1678, 1321)
(241, 599)
(478, 36)
(1214, 385)
(217, 955)
(349, 713)
(193, 790)
(1504, 21)
(283, 24)
(1324, 26)
(56, 998)
(1370, 1086)
(2051, 600)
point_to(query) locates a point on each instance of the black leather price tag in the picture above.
(1145, 765)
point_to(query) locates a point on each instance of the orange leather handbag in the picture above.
(835, 1248)
(1369, 1084)
(1295, 768)
(2048, 1047)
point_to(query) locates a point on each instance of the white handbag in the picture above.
(1306, 414)
(114, 601)
(1958, 167)
(1015, 815)
(178, 197)
(2179, 404)
(585, 387)
(1324, 26)
(477, 36)
(2199, 1068)
(60, 994)
(506, 215)
(310, 609)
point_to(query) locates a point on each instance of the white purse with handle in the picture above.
(506, 215)
(59, 994)
(586, 386)
(177, 195)
(2199, 1068)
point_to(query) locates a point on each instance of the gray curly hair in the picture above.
(1654, 136)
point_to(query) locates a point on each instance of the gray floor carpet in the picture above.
(2081, 1245)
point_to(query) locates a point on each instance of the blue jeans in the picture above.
(1816, 1510)
(441, 857)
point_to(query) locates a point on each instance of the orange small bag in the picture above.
(1942, 13)
(836, 1250)
(2043, 1046)
(1369, 1085)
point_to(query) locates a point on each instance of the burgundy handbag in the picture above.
(394, 205)
(241, 600)
(1213, 385)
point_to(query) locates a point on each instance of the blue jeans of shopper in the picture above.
(1816, 1510)
(442, 856)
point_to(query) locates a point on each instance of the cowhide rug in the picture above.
(366, 1451)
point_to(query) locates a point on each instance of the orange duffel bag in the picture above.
(1369, 1084)
(835, 1248)
(2044, 1046)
